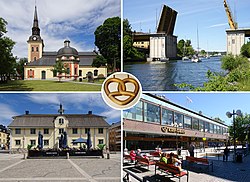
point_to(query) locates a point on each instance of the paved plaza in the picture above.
(13, 168)
(223, 171)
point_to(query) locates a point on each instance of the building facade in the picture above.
(25, 129)
(115, 137)
(4, 137)
(40, 63)
(163, 46)
(150, 124)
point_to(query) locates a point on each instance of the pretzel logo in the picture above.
(121, 90)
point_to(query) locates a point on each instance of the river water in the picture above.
(163, 76)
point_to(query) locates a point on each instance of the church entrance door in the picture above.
(43, 75)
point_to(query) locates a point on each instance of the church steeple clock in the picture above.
(35, 42)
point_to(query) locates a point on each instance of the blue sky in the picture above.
(210, 16)
(13, 104)
(213, 104)
(58, 20)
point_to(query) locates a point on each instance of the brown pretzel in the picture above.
(121, 90)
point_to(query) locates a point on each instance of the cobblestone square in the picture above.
(14, 168)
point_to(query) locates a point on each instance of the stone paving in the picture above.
(223, 171)
(13, 168)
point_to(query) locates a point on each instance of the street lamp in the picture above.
(229, 115)
(176, 125)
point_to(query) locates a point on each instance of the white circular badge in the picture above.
(121, 90)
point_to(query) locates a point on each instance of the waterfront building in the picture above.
(4, 137)
(40, 63)
(150, 124)
(115, 137)
(162, 44)
(236, 39)
(25, 128)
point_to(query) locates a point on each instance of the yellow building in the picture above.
(25, 129)
(3, 137)
(40, 63)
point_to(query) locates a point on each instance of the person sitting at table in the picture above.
(174, 161)
(125, 152)
(138, 153)
(132, 155)
(164, 158)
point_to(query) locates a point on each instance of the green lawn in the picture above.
(45, 85)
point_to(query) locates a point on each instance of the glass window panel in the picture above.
(219, 130)
(207, 127)
(151, 113)
(135, 113)
(215, 129)
(167, 117)
(195, 124)
(201, 125)
(211, 128)
(187, 122)
(178, 118)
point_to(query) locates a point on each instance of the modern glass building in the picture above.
(157, 122)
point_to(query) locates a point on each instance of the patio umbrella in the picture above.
(65, 140)
(80, 140)
(40, 140)
(89, 143)
(61, 141)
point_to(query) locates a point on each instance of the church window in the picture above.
(61, 121)
(33, 142)
(95, 72)
(32, 49)
(61, 130)
(37, 49)
(80, 72)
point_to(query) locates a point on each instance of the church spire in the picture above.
(61, 110)
(35, 28)
(35, 23)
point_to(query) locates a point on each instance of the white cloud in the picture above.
(6, 114)
(58, 19)
(112, 114)
(218, 25)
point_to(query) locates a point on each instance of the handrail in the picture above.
(126, 177)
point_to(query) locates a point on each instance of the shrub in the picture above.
(230, 62)
(245, 50)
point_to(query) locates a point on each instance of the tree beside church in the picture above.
(7, 60)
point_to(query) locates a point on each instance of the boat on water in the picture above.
(164, 60)
(185, 58)
(207, 56)
(196, 59)
(159, 60)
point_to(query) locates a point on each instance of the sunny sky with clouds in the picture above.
(210, 16)
(12, 104)
(58, 20)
